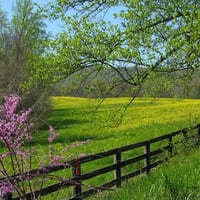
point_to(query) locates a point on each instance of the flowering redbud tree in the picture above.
(15, 156)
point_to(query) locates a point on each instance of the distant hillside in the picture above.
(107, 83)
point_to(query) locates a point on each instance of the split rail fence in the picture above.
(154, 152)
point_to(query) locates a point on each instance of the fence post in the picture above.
(117, 161)
(76, 170)
(147, 161)
(170, 146)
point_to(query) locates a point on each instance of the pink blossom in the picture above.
(14, 132)
(55, 160)
(10, 105)
(13, 126)
(5, 188)
(52, 134)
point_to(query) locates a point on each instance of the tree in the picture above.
(23, 58)
(149, 36)
(4, 44)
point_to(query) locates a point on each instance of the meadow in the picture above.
(106, 125)
(87, 126)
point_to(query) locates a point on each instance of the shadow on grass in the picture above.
(63, 123)
(67, 138)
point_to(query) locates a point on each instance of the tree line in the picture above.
(157, 85)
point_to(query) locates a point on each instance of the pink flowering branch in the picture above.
(15, 131)
(52, 134)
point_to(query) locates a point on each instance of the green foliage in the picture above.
(22, 61)
(117, 39)
(157, 84)
(162, 38)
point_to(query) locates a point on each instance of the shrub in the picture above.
(15, 132)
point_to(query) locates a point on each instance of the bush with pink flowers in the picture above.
(16, 157)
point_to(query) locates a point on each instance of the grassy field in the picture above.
(86, 127)
(76, 119)
(179, 179)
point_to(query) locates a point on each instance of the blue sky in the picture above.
(53, 27)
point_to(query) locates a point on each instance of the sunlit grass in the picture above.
(80, 119)
(179, 179)
(77, 119)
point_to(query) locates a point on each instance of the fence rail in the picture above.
(153, 154)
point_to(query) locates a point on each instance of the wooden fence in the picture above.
(155, 151)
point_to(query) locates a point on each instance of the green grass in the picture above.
(179, 179)
(75, 119)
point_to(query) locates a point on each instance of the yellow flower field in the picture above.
(106, 125)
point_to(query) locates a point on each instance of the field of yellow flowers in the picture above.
(108, 124)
